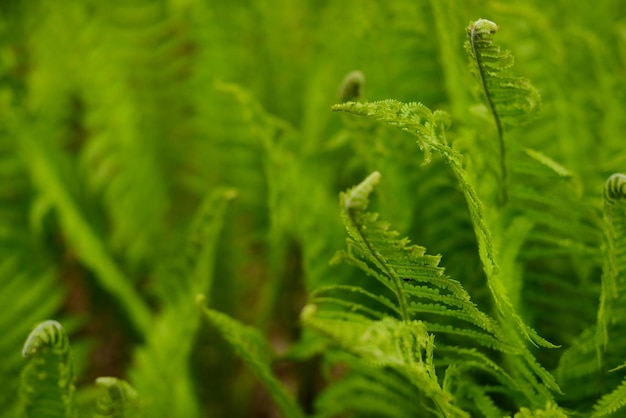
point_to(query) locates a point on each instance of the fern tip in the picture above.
(351, 88)
(230, 194)
(200, 299)
(307, 312)
(357, 197)
(483, 27)
(45, 333)
(615, 188)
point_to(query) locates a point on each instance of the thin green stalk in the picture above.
(496, 117)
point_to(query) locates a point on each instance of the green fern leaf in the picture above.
(366, 390)
(548, 162)
(332, 294)
(414, 118)
(253, 348)
(404, 346)
(551, 411)
(47, 382)
(119, 400)
(611, 402)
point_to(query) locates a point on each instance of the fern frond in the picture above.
(47, 382)
(366, 390)
(428, 127)
(445, 308)
(414, 118)
(404, 346)
(326, 294)
(119, 400)
(511, 100)
(474, 359)
(551, 411)
(579, 369)
(611, 402)
(478, 395)
(253, 348)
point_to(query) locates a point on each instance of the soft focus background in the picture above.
(118, 119)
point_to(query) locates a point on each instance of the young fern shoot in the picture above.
(357, 199)
(47, 382)
(612, 276)
(511, 100)
(119, 399)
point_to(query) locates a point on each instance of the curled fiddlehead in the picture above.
(615, 188)
(511, 100)
(351, 88)
(119, 400)
(47, 386)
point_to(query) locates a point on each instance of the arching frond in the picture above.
(414, 118)
(551, 411)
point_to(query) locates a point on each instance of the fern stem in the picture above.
(496, 116)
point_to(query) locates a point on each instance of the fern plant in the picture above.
(421, 290)
(48, 380)
(47, 384)
(507, 97)
(127, 130)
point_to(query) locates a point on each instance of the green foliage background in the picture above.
(155, 150)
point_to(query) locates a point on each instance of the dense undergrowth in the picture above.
(172, 244)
